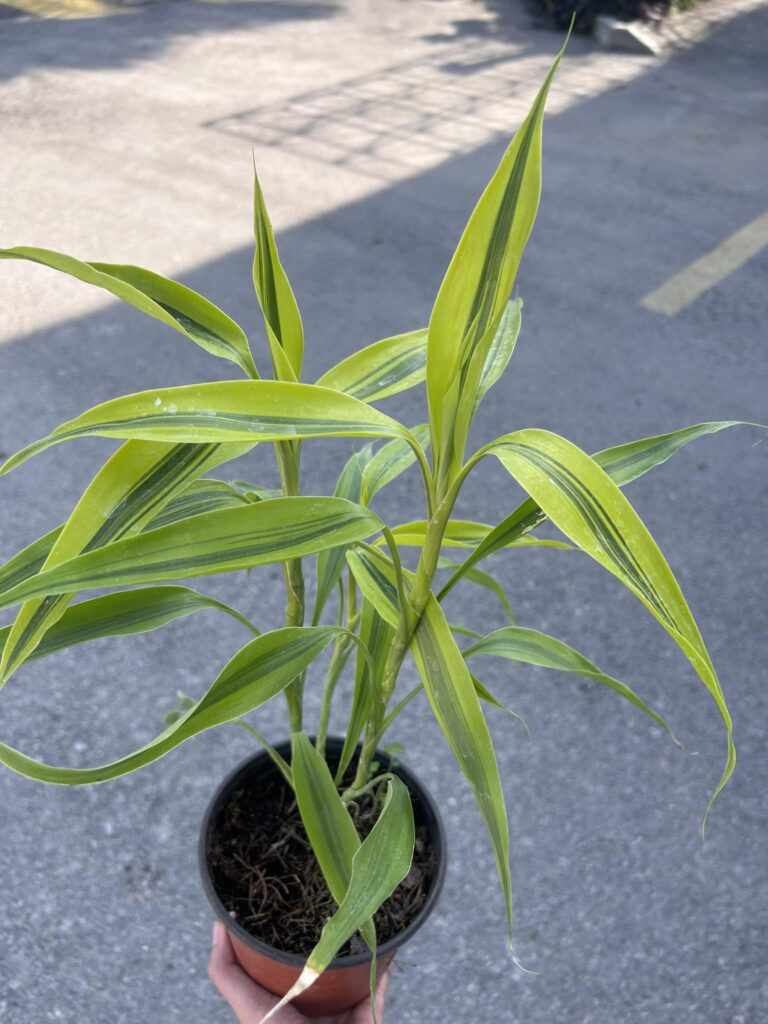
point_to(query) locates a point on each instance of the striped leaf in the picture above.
(374, 575)
(382, 369)
(475, 291)
(624, 463)
(486, 580)
(259, 671)
(132, 487)
(326, 820)
(378, 867)
(164, 300)
(123, 614)
(460, 533)
(501, 350)
(331, 562)
(582, 501)
(28, 561)
(377, 635)
(389, 462)
(456, 707)
(534, 648)
(282, 319)
(221, 541)
(232, 412)
(200, 496)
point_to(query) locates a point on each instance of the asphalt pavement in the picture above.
(127, 137)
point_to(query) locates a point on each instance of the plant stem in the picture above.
(338, 661)
(288, 461)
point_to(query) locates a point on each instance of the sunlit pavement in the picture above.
(127, 134)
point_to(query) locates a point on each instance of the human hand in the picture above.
(251, 1002)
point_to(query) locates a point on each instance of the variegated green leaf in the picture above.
(165, 300)
(214, 542)
(273, 290)
(501, 350)
(258, 672)
(476, 288)
(28, 561)
(200, 496)
(326, 820)
(371, 572)
(389, 462)
(582, 501)
(123, 614)
(623, 463)
(486, 580)
(459, 533)
(331, 562)
(456, 707)
(534, 648)
(232, 412)
(382, 369)
(129, 490)
(378, 867)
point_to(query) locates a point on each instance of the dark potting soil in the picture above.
(268, 878)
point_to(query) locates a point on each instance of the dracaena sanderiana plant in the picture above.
(153, 516)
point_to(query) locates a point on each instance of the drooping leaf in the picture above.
(331, 561)
(455, 705)
(123, 614)
(273, 290)
(389, 462)
(28, 561)
(382, 369)
(582, 501)
(535, 648)
(164, 300)
(623, 463)
(232, 412)
(486, 580)
(460, 533)
(258, 672)
(476, 288)
(214, 542)
(378, 867)
(326, 820)
(132, 487)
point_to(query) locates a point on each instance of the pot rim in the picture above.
(434, 822)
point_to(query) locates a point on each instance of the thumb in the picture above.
(249, 1000)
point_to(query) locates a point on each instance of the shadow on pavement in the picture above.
(138, 33)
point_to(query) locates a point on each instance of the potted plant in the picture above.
(153, 516)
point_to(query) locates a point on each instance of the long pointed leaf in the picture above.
(123, 614)
(165, 300)
(221, 541)
(456, 706)
(389, 462)
(273, 290)
(382, 369)
(535, 648)
(233, 412)
(132, 487)
(582, 501)
(258, 672)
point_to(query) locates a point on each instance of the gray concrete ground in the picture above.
(375, 126)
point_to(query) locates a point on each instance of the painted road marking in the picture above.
(701, 275)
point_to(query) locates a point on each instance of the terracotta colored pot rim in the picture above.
(426, 813)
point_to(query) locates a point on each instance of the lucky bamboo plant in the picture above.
(152, 516)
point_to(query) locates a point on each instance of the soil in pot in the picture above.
(267, 877)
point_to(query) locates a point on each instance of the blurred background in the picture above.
(127, 133)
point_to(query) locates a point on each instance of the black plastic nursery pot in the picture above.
(346, 982)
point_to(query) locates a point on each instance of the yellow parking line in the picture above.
(679, 291)
(62, 9)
